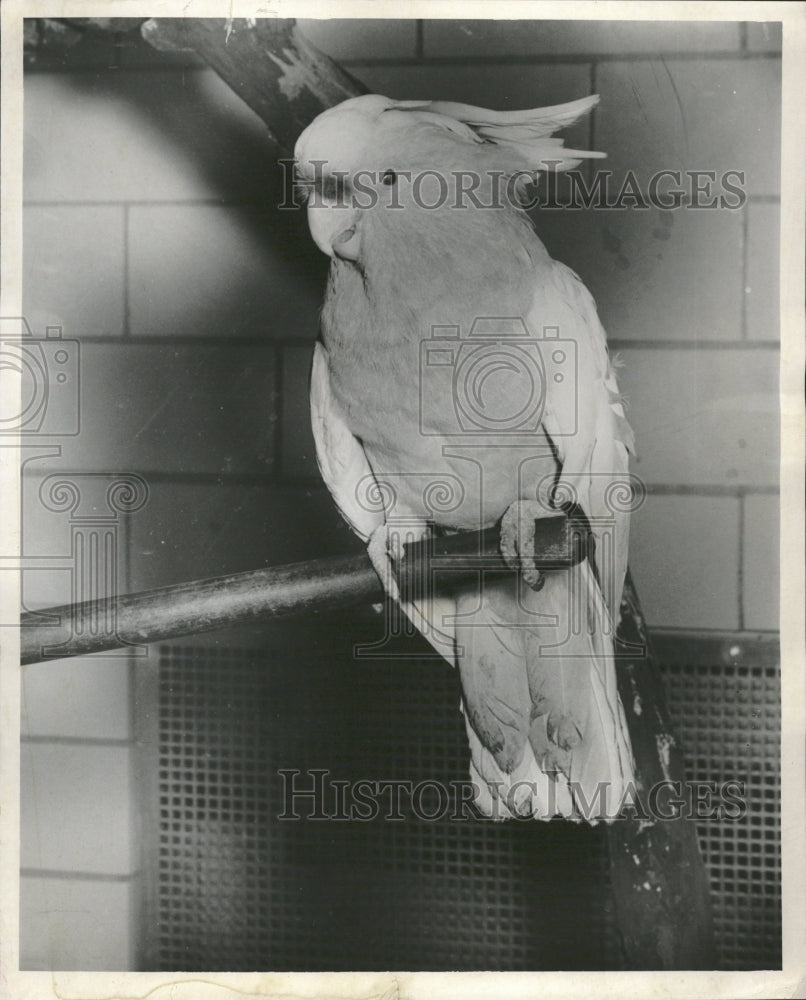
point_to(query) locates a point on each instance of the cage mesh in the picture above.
(238, 887)
(728, 720)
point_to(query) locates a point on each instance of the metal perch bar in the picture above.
(195, 607)
(317, 585)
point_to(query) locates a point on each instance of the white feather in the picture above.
(345, 467)
(340, 456)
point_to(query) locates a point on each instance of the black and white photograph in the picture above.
(403, 557)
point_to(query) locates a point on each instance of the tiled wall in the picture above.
(151, 237)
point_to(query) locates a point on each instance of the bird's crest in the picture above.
(528, 133)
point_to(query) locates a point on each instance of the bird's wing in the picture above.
(348, 476)
(340, 455)
(537, 667)
(585, 419)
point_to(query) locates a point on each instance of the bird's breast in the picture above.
(440, 402)
(433, 444)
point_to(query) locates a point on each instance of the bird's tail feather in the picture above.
(546, 726)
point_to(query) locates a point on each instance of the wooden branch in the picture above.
(47, 35)
(55, 35)
(659, 881)
(104, 25)
(269, 63)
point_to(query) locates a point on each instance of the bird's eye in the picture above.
(389, 177)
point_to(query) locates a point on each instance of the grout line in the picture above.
(694, 345)
(536, 59)
(257, 204)
(220, 479)
(740, 568)
(196, 342)
(126, 332)
(131, 694)
(763, 635)
(743, 46)
(117, 50)
(277, 406)
(419, 38)
(127, 547)
(744, 265)
(314, 482)
(75, 741)
(548, 58)
(709, 490)
(77, 876)
(592, 75)
(147, 203)
(276, 343)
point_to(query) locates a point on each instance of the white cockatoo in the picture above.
(462, 378)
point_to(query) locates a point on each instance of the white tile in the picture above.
(761, 563)
(684, 557)
(191, 531)
(354, 38)
(764, 36)
(655, 274)
(718, 115)
(175, 407)
(76, 924)
(455, 37)
(703, 416)
(119, 135)
(73, 272)
(76, 808)
(762, 288)
(298, 449)
(197, 271)
(82, 697)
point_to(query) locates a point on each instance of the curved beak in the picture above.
(335, 230)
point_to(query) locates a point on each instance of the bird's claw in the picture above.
(518, 540)
(383, 552)
(386, 550)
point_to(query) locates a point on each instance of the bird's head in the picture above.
(372, 153)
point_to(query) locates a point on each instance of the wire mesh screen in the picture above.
(728, 717)
(252, 873)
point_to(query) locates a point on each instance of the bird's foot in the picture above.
(518, 540)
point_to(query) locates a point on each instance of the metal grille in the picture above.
(728, 718)
(238, 888)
